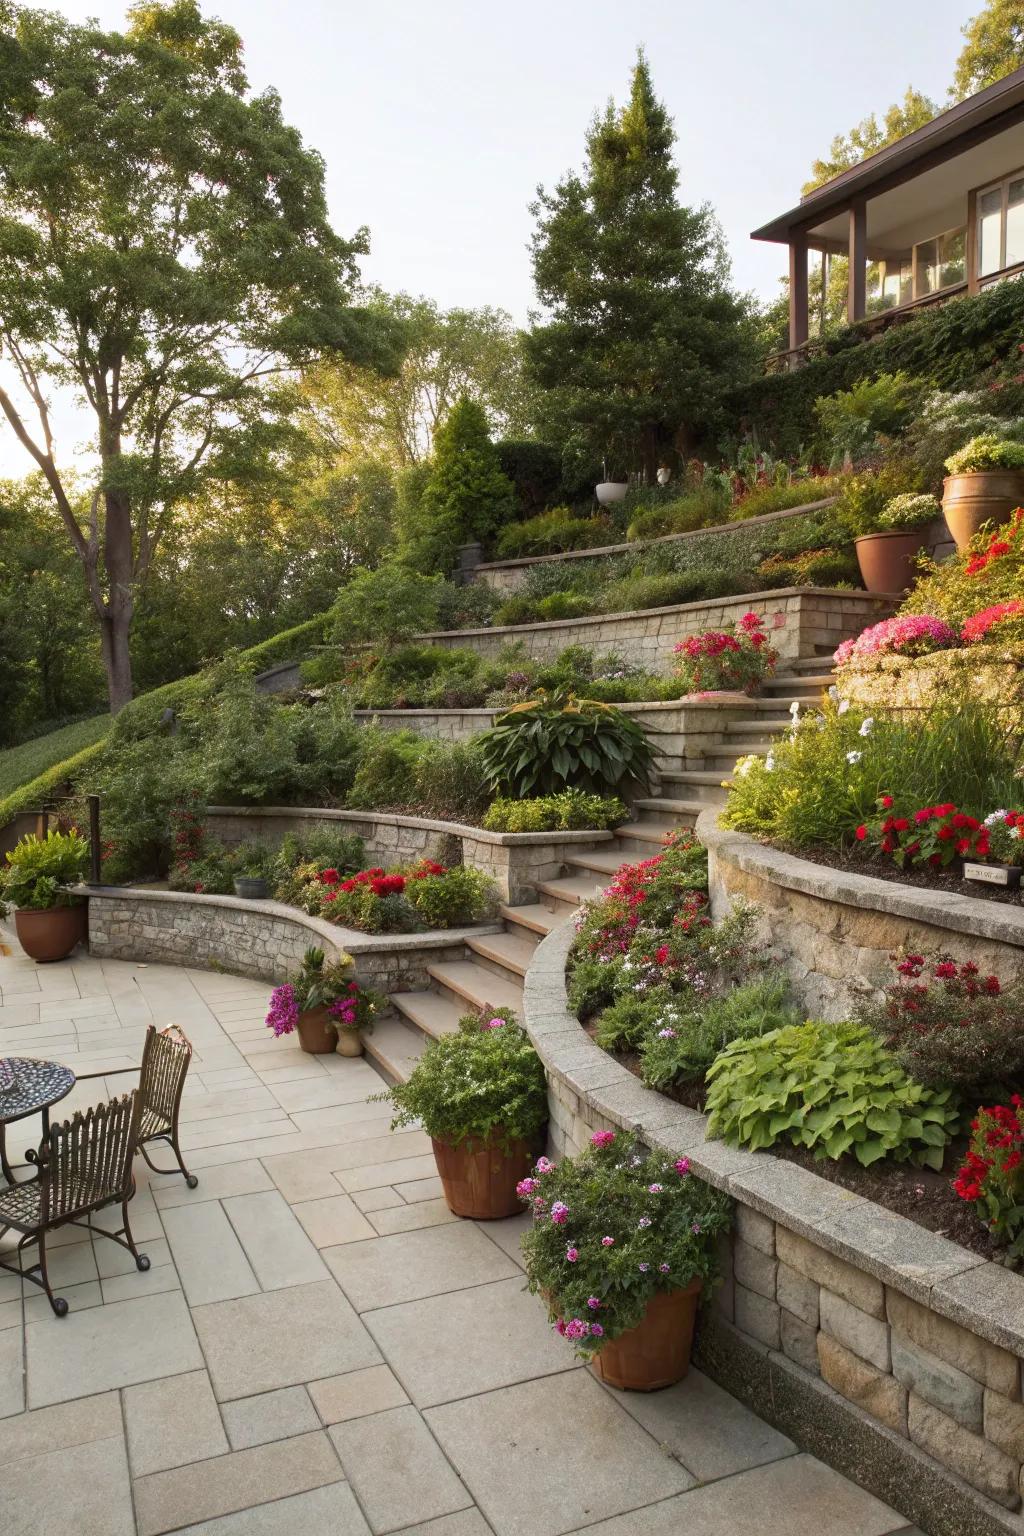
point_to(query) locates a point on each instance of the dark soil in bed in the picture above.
(917, 1193)
(922, 879)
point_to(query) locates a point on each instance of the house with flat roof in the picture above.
(935, 214)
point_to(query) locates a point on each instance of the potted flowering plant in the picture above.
(984, 483)
(481, 1096)
(718, 661)
(1005, 850)
(324, 1006)
(48, 919)
(622, 1243)
(886, 554)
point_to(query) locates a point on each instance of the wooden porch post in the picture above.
(798, 314)
(971, 242)
(856, 302)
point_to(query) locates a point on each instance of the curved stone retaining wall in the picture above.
(802, 621)
(834, 932)
(515, 861)
(264, 939)
(883, 1348)
(990, 672)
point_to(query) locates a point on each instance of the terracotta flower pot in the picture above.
(50, 934)
(987, 496)
(480, 1177)
(317, 1035)
(350, 1042)
(886, 559)
(656, 1353)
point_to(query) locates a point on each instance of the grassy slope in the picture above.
(20, 764)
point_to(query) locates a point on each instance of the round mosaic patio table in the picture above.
(28, 1086)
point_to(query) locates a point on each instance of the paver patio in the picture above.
(319, 1345)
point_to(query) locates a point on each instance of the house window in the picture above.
(939, 263)
(1000, 228)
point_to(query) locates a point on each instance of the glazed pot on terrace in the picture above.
(316, 1031)
(986, 496)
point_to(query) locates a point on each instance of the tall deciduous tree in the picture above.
(165, 252)
(870, 135)
(643, 334)
(993, 46)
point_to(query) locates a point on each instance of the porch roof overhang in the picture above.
(969, 126)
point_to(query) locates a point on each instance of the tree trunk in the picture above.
(114, 632)
(117, 611)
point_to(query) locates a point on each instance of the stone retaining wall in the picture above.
(262, 939)
(802, 621)
(833, 932)
(990, 672)
(885, 1349)
(515, 861)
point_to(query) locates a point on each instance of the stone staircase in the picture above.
(492, 976)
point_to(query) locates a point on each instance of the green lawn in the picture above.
(19, 765)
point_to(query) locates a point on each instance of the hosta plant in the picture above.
(484, 1081)
(992, 1176)
(832, 1088)
(557, 741)
(613, 1227)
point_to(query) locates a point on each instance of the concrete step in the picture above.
(511, 951)
(738, 748)
(395, 1047)
(565, 895)
(807, 664)
(681, 812)
(429, 1012)
(704, 787)
(597, 860)
(644, 838)
(808, 684)
(479, 987)
(533, 917)
(748, 729)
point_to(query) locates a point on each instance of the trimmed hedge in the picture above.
(33, 795)
(20, 764)
(950, 346)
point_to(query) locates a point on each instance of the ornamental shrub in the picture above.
(611, 1229)
(571, 810)
(909, 511)
(652, 892)
(680, 1048)
(948, 1024)
(989, 572)
(991, 1176)
(1002, 624)
(809, 568)
(466, 496)
(552, 533)
(452, 898)
(384, 606)
(483, 1082)
(38, 870)
(715, 660)
(851, 420)
(832, 1088)
(558, 741)
(987, 451)
(910, 634)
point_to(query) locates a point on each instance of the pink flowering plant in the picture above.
(910, 634)
(739, 659)
(483, 1082)
(613, 1227)
(323, 984)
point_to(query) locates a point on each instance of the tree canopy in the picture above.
(165, 254)
(642, 333)
(993, 47)
(870, 135)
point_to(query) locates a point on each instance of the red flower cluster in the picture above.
(978, 627)
(991, 1176)
(378, 880)
(1001, 543)
(935, 835)
(719, 660)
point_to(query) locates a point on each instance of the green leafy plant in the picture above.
(809, 568)
(680, 1049)
(483, 1082)
(612, 1229)
(552, 533)
(38, 870)
(455, 898)
(912, 509)
(571, 810)
(832, 1088)
(850, 420)
(986, 451)
(558, 741)
(384, 606)
(992, 1177)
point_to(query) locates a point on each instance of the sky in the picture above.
(437, 121)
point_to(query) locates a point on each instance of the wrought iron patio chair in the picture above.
(85, 1164)
(166, 1057)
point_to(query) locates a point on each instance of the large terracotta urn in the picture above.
(886, 558)
(656, 1353)
(479, 1178)
(986, 496)
(50, 933)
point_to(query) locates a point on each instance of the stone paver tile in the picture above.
(166, 1500)
(420, 1189)
(336, 1219)
(469, 1341)
(269, 1416)
(386, 1173)
(281, 1338)
(342, 1114)
(78, 1297)
(172, 1422)
(357, 1394)
(276, 1245)
(300, 1177)
(83, 1488)
(328, 1511)
(209, 1257)
(468, 1522)
(374, 1449)
(56, 1428)
(113, 1346)
(425, 1213)
(508, 1235)
(414, 1264)
(164, 1277)
(112, 1259)
(71, 1263)
(548, 1456)
(711, 1433)
(246, 1178)
(795, 1497)
(324, 1091)
(377, 1199)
